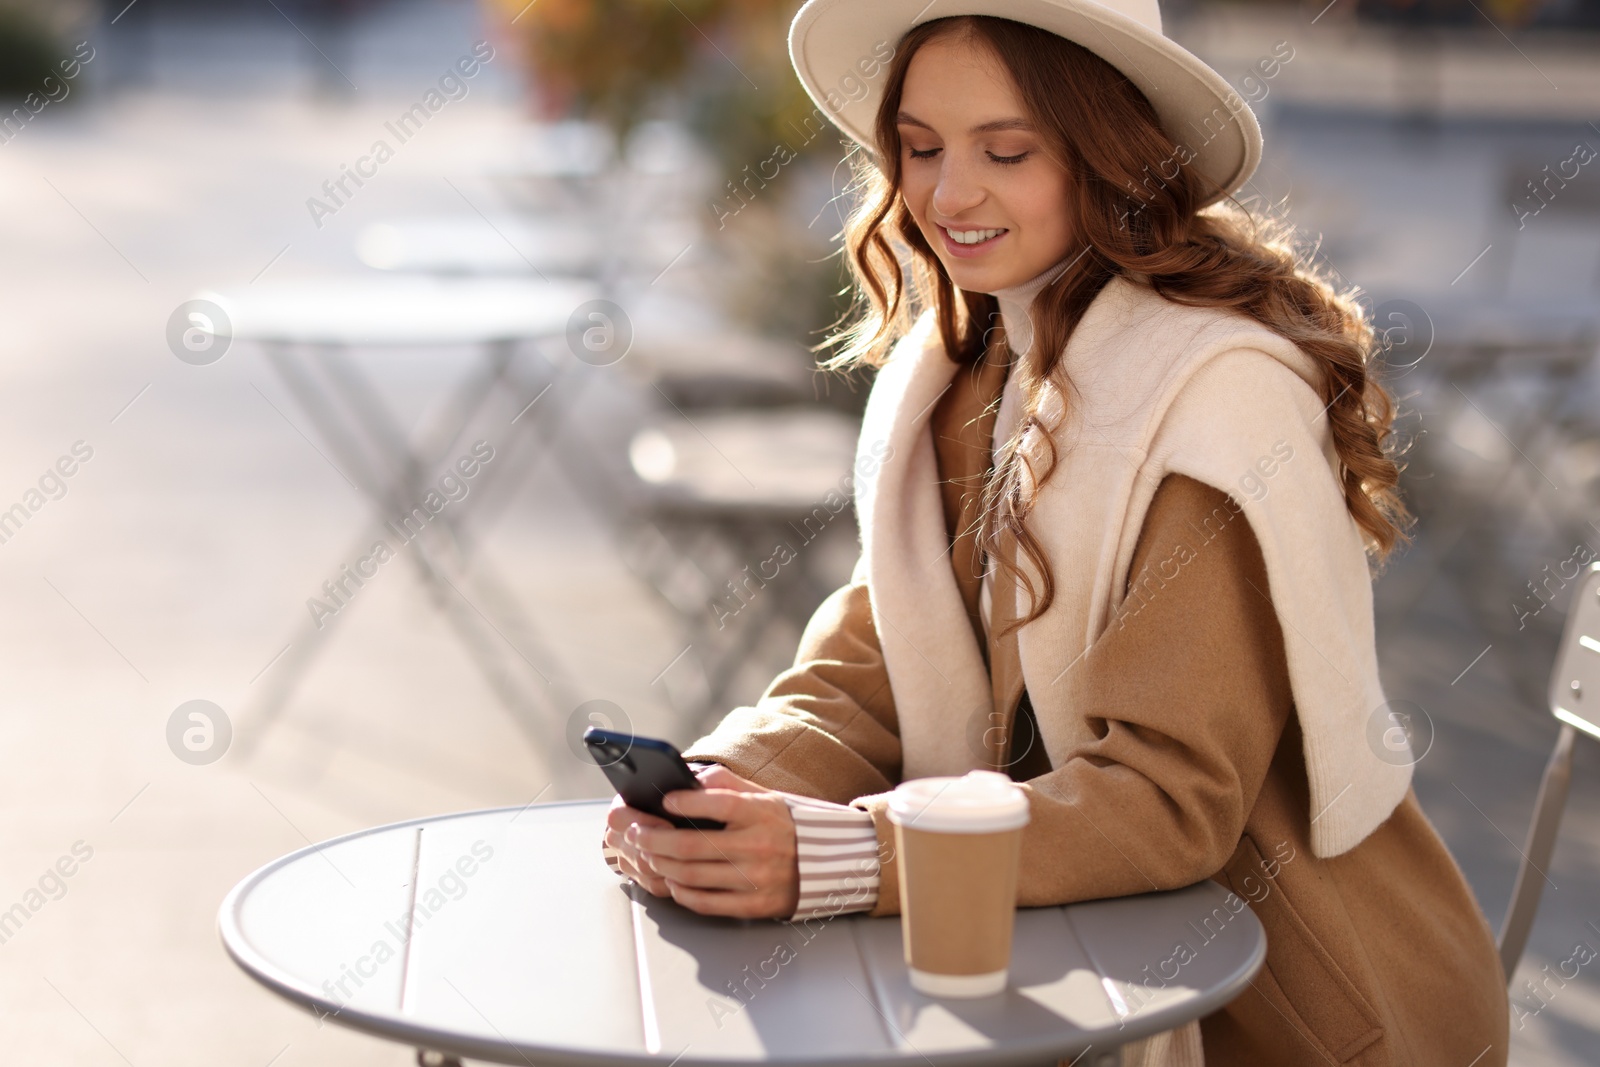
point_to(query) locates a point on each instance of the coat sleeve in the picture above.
(826, 727)
(1186, 695)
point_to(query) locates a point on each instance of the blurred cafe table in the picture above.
(548, 246)
(503, 936)
(465, 333)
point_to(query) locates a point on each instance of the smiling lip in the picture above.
(968, 251)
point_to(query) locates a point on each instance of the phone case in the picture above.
(643, 770)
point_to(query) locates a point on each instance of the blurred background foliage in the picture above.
(1506, 14)
(34, 39)
(28, 52)
(722, 68)
(720, 65)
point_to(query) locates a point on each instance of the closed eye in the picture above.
(929, 153)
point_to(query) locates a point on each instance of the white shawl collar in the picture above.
(1156, 388)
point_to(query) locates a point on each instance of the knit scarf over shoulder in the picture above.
(1157, 388)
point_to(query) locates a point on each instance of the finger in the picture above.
(619, 817)
(674, 843)
(628, 861)
(737, 871)
(726, 902)
(726, 845)
(618, 841)
(700, 874)
(621, 836)
(653, 883)
(634, 862)
(769, 832)
(735, 807)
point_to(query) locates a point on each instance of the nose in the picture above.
(958, 188)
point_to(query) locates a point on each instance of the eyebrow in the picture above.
(992, 126)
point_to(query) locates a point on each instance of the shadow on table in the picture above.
(850, 971)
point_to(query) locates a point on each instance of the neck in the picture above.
(1016, 305)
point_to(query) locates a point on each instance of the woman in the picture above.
(1110, 365)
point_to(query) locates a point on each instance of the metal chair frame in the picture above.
(1575, 702)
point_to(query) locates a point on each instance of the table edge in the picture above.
(395, 1027)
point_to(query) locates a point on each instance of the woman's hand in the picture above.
(750, 869)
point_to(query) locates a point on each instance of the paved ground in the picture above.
(177, 564)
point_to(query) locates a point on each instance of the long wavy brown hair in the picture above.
(1099, 126)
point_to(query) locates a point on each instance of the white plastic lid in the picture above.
(979, 802)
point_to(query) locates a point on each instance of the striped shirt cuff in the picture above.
(838, 854)
(611, 859)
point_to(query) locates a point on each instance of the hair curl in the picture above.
(1137, 214)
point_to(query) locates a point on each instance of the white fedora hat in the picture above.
(831, 44)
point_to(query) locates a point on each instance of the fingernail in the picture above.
(670, 802)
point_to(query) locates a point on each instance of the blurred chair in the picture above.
(1575, 702)
(668, 158)
(307, 330)
(569, 163)
(554, 166)
(632, 212)
(1515, 394)
(724, 370)
(687, 354)
(726, 515)
(725, 456)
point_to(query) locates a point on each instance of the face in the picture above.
(975, 174)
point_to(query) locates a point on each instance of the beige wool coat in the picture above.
(1377, 957)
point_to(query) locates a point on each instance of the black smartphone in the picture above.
(644, 770)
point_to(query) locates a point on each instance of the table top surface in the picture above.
(401, 310)
(549, 244)
(502, 935)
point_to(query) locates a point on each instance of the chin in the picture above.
(973, 278)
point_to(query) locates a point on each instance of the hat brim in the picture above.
(831, 45)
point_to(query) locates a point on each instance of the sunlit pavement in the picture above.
(179, 561)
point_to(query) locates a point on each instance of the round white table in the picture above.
(502, 935)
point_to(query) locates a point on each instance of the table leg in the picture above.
(351, 456)
(395, 488)
(411, 465)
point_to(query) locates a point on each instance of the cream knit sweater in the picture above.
(1155, 388)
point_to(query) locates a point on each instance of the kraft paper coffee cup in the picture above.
(958, 841)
